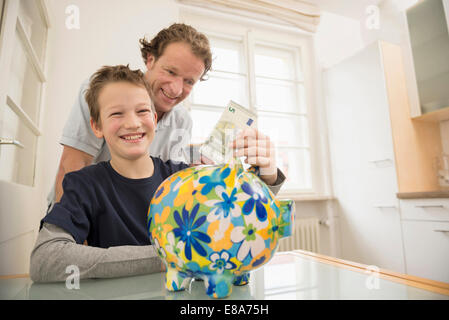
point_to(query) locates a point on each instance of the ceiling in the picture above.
(349, 8)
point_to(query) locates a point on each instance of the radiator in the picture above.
(306, 236)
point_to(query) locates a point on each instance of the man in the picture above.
(176, 59)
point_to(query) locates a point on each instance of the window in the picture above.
(264, 72)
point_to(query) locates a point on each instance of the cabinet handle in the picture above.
(383, 163)
(444, 231)
(381, 160)
(385, 207)
(11, 141)
(430, 206)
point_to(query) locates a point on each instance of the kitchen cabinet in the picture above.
(363, 160)
(425, 226)
(378, 153)
(429, 42)
(426, 245)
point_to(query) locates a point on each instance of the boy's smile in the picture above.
(133, 137)
(127, 122)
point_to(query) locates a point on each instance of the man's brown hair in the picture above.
(179, 32)
(109, 74)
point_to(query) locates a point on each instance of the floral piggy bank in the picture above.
(216, 223)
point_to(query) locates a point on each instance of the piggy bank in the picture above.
(216, 223)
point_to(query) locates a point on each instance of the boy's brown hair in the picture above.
(179, 32)
(109, 74)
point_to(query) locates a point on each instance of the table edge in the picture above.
(410, 280)
(14, 276)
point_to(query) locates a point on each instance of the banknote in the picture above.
(233, 120)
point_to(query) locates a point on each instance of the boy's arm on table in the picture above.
(56, 249)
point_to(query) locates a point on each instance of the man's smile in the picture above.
(168, 96)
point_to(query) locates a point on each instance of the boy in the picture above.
(107, 203)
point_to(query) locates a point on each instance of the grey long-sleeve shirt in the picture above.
(56, 249)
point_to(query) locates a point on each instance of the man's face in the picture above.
(172, 76)
(127, 122)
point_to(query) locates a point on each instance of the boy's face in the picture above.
(172, 75)
(127, 122)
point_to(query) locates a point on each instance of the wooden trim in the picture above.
(416, 143)
(442, 194)
(14, 276)
(435, 116)
(409, 280)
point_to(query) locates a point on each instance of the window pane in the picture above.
(302, 98)
(227, 55)
(275, 95)
(33, 23)
(16, 164)
(203, 123)
(284, 130)
(219, 89)
(295, 164)
(24, 86)
(274, 63)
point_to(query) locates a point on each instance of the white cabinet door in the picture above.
(23, 40)
(363, 161)
(426, 246)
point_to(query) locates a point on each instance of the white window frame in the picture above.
(252, 32)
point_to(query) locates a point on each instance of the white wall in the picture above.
(337, 38)
(108, 35)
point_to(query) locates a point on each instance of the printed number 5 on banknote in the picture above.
(234, 119)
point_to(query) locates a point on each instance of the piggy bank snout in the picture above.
(287, 209)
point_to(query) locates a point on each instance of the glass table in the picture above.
(296, 275)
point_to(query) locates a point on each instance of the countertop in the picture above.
(424, 195)
(295, 275)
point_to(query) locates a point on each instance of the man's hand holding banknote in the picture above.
(236, 135)
(259, 151)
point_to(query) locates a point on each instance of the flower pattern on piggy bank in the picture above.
(216, 223)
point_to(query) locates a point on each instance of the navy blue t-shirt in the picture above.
(106, 209)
